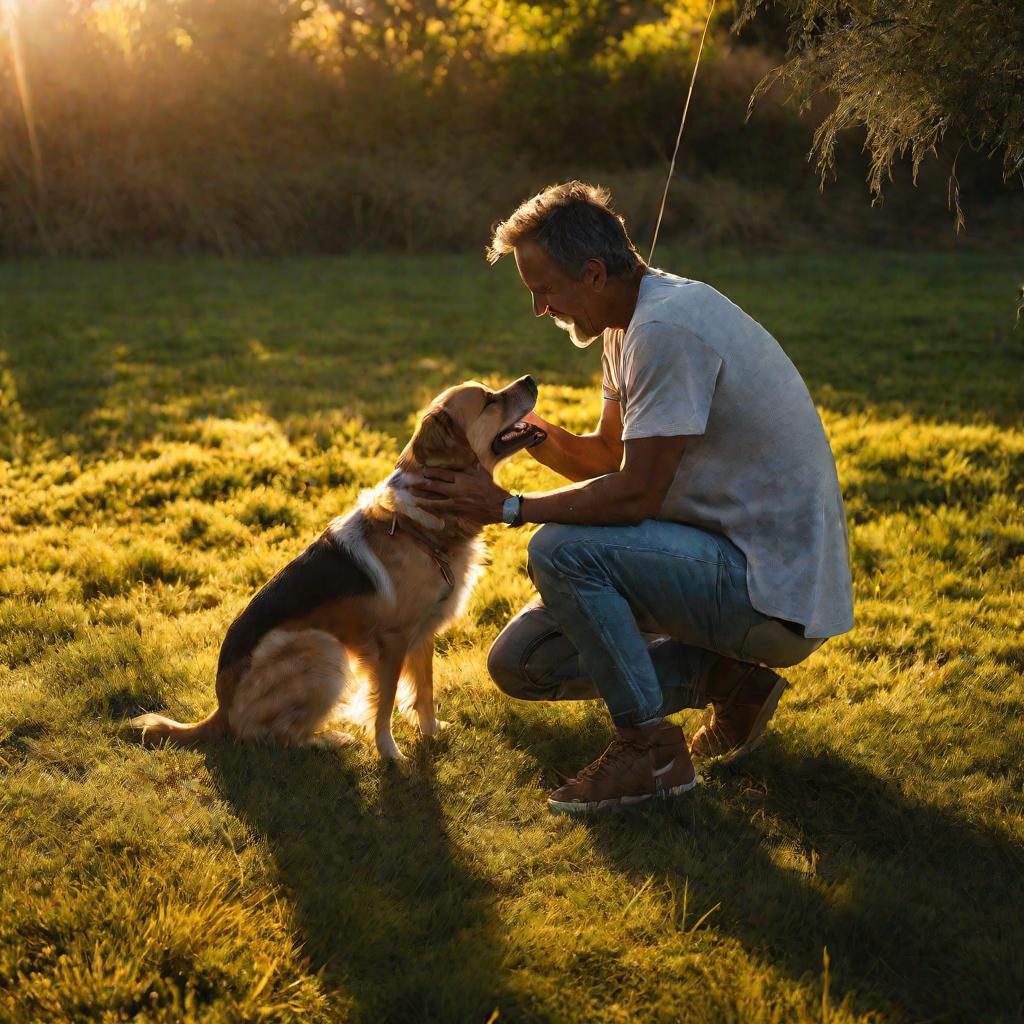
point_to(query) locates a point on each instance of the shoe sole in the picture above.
(764, 716)
(595, 806)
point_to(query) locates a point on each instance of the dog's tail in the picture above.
(153, 730)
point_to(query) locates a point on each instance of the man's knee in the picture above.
(504, 664)
(532, 659)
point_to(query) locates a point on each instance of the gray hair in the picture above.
(572, 223)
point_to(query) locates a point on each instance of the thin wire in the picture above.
(679, 136)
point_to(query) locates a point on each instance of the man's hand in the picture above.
(469, 494)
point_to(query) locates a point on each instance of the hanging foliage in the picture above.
(910, 73)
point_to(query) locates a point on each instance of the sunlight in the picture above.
(24, 93)
(118, 20)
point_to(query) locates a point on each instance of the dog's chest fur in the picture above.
(424, 601)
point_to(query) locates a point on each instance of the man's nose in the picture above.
(540, 307)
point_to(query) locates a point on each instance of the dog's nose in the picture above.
(529, 383)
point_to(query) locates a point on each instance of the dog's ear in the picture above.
(440, 441)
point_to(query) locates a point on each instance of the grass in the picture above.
(174, 431)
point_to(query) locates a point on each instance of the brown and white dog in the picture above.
(374, 588)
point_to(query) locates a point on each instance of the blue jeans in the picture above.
(636, 615)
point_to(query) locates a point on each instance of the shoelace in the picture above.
(615, 752)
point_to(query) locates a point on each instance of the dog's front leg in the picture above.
(420, 667)
(387, 670)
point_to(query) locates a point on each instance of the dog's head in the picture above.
(471, 423)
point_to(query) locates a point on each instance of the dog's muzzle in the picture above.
(519, 435)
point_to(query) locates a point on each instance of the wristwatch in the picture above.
(512, 510)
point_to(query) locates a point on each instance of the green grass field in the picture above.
(171, 433)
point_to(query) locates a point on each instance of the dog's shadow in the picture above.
(397, 926)
(804, 852)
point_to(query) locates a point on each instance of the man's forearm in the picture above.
(627, 496)
(610, 500)
(574, 456)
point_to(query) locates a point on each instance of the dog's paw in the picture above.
(388, 751)
(434, 728)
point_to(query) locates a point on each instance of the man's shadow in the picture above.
(919, 908)
(399, 927)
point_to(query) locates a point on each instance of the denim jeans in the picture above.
(635, 615)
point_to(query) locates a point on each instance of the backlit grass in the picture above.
(171, 433)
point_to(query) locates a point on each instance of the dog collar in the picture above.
(436, 552)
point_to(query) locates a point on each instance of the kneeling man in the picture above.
(704, 543)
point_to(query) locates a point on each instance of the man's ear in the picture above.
(595, 274)
(439, 441)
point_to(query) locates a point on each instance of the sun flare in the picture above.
(24, 92)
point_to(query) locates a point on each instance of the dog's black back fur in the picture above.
(323, 572)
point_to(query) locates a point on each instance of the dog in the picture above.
(372, 590)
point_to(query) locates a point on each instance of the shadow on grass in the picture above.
(917, 907)
(399, 928)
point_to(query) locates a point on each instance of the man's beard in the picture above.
(572, 329)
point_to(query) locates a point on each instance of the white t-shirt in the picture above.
(757, 466)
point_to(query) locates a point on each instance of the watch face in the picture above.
(510, 510)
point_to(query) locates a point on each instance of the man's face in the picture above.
(568, 302)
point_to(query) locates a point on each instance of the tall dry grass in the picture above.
(224, 128)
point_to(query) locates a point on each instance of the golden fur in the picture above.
(420, 567)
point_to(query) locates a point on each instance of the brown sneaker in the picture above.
(743, 699)
(640, 763)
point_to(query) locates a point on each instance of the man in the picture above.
(706, 513)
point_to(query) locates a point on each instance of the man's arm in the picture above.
(630, 495)
(582, 456)
(624, 497)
